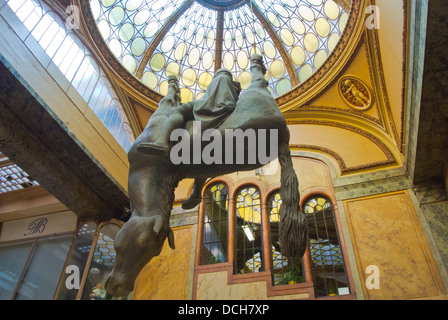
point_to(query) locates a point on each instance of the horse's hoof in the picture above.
(152, 149)
(191, 203)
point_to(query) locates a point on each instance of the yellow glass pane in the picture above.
(126, 32)
(311, 42)
(132, 5)
(141, 17)
(104, 28)
(298, 55)
(256, 218)
(138, 46)
(180, 51)
(163, 88)
(247, 213)
(242, 59)
(108, 3)
(188, 77)
(249, 34)
(333, 41)
(228, 39)
(207, 60)
(269, 49)
(199, 36)
(228, 61)
(245, 79)
(193, 56)
(172, 69)
(320, 58)
(331, 9)
(116, 15)
(150, 79)
(167, 44)
(151, 29)
(306, 13)
(287, 37)
(239, 38)
(259, 30)
(322, 27)
(204, 80)
(157, 62)
(186, 95)
(297, 26)
(129, 63)
(116, 47)
(278, 69)
(283, 86)
(248, 200)
(273, 19)
(210, 38)
(321, 201)
(305, 72)
(343, 21)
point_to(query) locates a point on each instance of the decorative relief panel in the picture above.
(355, 93)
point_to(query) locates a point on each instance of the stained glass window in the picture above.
(215, 223)
(192, 39)
(248, 231)
(102, 263)
(327, 262)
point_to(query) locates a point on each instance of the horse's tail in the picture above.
(293, 225)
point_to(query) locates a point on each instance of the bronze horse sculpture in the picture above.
(153, 178)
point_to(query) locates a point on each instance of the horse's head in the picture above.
(138, 241)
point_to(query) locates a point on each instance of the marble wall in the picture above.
(386, 233)
(166, 276)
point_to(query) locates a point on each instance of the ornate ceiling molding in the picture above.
(391, 158)
(340, 161)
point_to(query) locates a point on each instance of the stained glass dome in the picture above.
(192, 39)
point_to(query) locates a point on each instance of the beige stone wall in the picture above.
(386, 232)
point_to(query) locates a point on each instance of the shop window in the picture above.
(79, 257)
(31, 270)
(327, 262)
(101, 265)
(285, 270)
(215, 225)
(249, 255)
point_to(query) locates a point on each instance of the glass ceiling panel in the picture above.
(154, 39)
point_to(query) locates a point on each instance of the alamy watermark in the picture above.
(234, 147)
(373, 278)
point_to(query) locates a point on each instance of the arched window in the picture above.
(79, 256)
(327, 261)
(249, 255)
(215, 225)
(72, 58)
(101, 265)
(285, 270)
